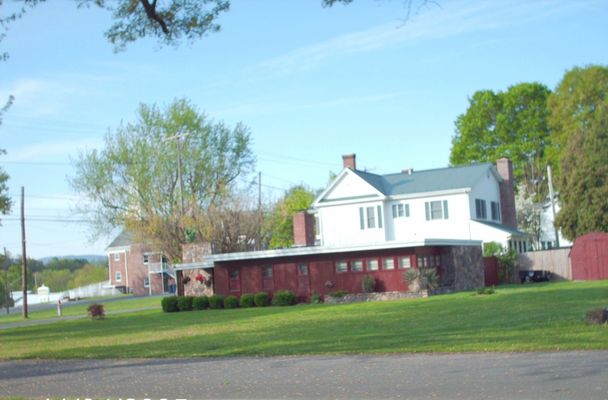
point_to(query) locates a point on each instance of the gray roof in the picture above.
(431, 180)
(125, 238)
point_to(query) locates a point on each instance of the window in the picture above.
(361, 218)
(356, 265)
(367, 217)
(495, 209)
(372, 264)
(404, 262)
(146, 281)
(436, 209)
(480, 209)
(437, 260)
(379, 216)
(401, 210)
(146, 258)
(422, 261)
(267, 271)
(388, 263)
(341, 266)
(116, 256)
(302, 269)
(117, 276)
(371, 219)
(234, 274)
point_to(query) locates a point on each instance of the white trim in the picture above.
(422, 195)
(317, 250)
(318, 201)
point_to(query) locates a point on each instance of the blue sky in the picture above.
(311, 83)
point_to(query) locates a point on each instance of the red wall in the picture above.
(589, 257)
(321, 270)
(490, 271)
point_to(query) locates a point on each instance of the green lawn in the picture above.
(69, 309)
(517, 318)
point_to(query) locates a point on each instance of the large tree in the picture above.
(280, 223)
(509, 124)
(579, 119)
(134, 181)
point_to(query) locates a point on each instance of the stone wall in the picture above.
(465, 266)
(196, 288)
(379, 296)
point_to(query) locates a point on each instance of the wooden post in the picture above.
(23, 256)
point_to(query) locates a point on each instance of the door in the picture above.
(303, 281)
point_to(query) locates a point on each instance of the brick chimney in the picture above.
(349, 161)
(303, 229)
(507, 192)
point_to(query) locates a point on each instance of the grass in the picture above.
(70, 309)
(539, 317)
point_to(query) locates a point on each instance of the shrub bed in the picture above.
(284, 298)
(261, 299)
(200, 303)
(246, 300)
(216, 302)
(231, 302)
(169, 304)
(184, 303)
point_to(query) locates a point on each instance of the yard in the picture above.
(516, 318)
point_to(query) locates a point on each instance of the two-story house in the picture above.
(473, 202)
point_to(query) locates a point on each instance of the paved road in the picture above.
(563, 375)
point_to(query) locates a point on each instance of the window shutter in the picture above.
(361, 218)
(445, 210)
(407, 210)
(427, 210)
(380, 216)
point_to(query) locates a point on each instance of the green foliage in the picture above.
(5, 199)
(139, 159)
(89, 274)
(231, 302)
(423, 278)
(284, 298)
(579, 118)
(485, 290)
(491, 249)
(58, 280)
(247, 300)
(184, 303)
(507, 265)
(339, 293)
(368, 284)
(315, 298)
(200, 303)
(216, 302)
(261, 299)
(96, 311)
(298, 198)
(71, 264)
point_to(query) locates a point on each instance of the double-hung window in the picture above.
(401, 210)
(436, 209)
(368, 215)
(480, 209)
(495, 210)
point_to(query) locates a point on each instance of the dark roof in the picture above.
(431, 180)
(504, 228)
(125, 238)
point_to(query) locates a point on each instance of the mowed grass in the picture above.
(111, 304)
(517, 318)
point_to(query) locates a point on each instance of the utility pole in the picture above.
(23, 255)
(7, 287)
(258, 244)
(552, 199)
(178, 138)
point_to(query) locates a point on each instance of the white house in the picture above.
(548, 229)
(474, 202)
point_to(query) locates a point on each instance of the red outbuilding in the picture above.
(589, 257)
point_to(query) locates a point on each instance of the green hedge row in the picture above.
(261, 299)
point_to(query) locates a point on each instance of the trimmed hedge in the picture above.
(216, 302)
(246, 301)
(231, 302)
(261, 299)
(200, 303)
(169, 304)
(184, 303)
(284, 298)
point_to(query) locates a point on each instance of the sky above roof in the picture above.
(311, 83)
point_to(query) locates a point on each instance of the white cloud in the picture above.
(54, 149)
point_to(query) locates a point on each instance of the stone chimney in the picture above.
(507, 192)
(349, 161)
(303, 229)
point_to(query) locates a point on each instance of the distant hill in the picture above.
(92, 258)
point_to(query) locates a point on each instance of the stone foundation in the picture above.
(380, 296)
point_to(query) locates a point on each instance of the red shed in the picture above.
(589, 257)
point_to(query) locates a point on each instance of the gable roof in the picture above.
(431, 180)
(124, 238)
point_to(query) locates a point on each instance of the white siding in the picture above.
(486, 189)
(340, 225)
(349, 186)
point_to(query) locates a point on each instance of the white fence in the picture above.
(92, 290)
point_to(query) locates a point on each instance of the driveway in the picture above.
(562, 375)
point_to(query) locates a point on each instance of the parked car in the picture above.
(534, 276)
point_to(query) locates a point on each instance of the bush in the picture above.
(96, 311)
(339, 293)
(246, 300)
(216, 302)
(184, 303)
(200, 303)
(284, 298)
(368, 284)
(231, 302)
(429, 280)
(486, 290)
(315, 298)
(261, 299)
(169, 304)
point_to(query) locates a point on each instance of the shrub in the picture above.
(429, 280)
(368, 284)
(216, 301)
(284, 298)
(339, 293)
(261, 299)
(231, 302)
(200, 303)
(169, 304)
(486, 290)
(315, 298)
(96, 311)
(246, 300)
(184, 303)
